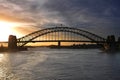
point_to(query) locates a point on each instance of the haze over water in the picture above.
(59, 64)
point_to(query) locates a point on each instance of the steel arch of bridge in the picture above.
(30, 37)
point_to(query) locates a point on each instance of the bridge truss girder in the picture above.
(30, 37)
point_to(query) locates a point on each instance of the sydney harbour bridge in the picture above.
(59, 34)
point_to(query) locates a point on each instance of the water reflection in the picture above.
(1, 57)
(25, 63)
(59, 64)
(5, 69)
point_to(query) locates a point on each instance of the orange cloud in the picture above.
(9, 18)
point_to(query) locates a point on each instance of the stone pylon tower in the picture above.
(12, 42)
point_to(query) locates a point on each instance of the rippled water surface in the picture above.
(59, 64)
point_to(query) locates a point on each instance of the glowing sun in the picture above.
(6, 29)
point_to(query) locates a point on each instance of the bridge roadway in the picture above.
(56, 41)
(62, 41)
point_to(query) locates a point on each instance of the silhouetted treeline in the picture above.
(78, 46)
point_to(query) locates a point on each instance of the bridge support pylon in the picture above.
(59, 43)
(12, 42)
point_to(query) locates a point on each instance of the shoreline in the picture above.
(6, 49)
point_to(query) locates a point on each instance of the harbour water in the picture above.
(59, 64)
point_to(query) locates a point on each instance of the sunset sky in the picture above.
(20, 17)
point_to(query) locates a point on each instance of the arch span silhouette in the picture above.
(30, 37)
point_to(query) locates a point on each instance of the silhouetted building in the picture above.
(12, 42)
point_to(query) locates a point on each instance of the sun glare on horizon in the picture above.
(6, 29)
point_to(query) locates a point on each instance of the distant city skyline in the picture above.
(98, 16)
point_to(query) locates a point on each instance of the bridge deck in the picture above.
(62, 41)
